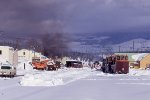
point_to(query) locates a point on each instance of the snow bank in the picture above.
(54, 78)
(138, 72)
(40, 80)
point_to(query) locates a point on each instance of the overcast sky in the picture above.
(74, 16)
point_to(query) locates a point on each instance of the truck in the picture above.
(44, 65)
(7, 70)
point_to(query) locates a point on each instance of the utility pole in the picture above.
(17, 43)
(133, 46)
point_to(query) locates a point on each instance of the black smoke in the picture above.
(33, 24)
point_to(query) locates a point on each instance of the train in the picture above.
(118, 64)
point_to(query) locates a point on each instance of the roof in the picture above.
(139, 57)
(5, 47)
(24, 50)
(28, 50)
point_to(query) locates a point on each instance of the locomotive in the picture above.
(118, 64)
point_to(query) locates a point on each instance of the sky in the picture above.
(74, 16)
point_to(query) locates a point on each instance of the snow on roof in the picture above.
(29, 51)
(25, 50)
(22, 50)
(139, 56)
(71, 60)
(5, 47)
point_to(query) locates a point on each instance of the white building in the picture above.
(9, 54)
(26, 54)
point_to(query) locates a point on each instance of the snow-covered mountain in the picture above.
(138, 44)
(97, 42)
(133, 45)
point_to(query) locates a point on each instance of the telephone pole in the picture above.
(133, 46)
(17, 43)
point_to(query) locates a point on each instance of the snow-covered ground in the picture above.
(75, 84)
(54, 78)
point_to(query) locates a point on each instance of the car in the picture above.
(7, 70)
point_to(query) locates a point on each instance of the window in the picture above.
(5, 67)
(24, 53)
(0, 52)
(118, 57)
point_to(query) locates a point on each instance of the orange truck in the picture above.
(40, 64)
(43, 65)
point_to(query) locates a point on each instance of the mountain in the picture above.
(108, 38)
(97, 42)
(132, 45)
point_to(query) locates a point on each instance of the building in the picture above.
(138, 60)
(29, 55)
(9, 55)
(142, 60)
(15, 58)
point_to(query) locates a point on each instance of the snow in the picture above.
(138, 72)
(75, 84)
(39, 80)
(25, 63)
(54, 78)
(138, 57)
(139, 45)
